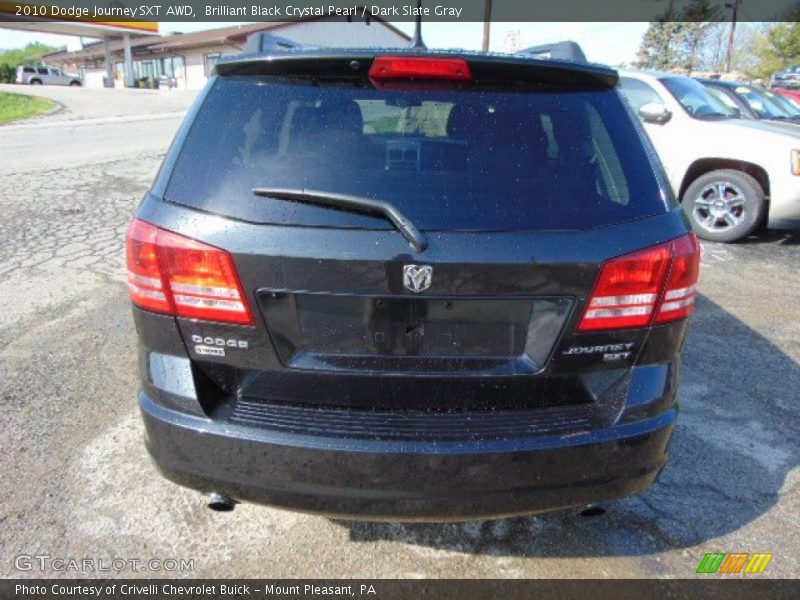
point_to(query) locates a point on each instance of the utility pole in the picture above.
(734, 6)
(417, 42)
(487, 24)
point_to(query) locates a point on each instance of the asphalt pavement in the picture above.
(90, 127)
(78, 103)
(77, 482)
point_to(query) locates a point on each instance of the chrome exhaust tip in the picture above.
(221, 502)
(596, 509)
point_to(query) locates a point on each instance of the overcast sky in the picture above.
(609, 43)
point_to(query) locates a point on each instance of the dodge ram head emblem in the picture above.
(417, 278)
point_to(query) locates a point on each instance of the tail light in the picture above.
(682, 283)
(145, 283)
(654, 285)
(627, 290)
(176, 275)
(420, 67)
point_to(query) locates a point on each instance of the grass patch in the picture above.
(18, 106)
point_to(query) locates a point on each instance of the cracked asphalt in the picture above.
(77, 482)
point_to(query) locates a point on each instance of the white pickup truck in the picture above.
(730, 175)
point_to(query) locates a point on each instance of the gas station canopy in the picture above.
(33, 16)
(82, 28)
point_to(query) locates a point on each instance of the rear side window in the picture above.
(41, 70)
(29, 70)
(722, 96)
(696, 99)
(638, 93)
(452, 159)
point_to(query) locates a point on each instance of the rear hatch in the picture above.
(522, 177)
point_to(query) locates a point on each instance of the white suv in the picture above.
(29, 75)
(730, 175)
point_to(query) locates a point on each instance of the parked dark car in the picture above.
(410, 285)
(752, 102)
(785, 101)
(788, 78)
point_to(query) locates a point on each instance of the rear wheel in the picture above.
(36, 82)
(724, 205)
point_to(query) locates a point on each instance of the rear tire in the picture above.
(36, 82)
(724, 205)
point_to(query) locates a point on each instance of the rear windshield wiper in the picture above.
(353, 203)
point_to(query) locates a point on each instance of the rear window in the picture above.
(527, 159)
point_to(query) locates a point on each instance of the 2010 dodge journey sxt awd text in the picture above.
(410, 285)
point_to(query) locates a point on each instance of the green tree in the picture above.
(699, 22)
(783, 41)
(30, 54)
(660, 42)
(677, 38)
(775, 49)
(7, 73)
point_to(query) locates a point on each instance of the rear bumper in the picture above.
(784, 223)
(784, 204)
(406, 480)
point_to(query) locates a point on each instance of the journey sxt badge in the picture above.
(609, 351)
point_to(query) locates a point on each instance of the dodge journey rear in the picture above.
(410, 285)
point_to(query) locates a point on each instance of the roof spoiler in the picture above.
(569, 50)
(263, 42)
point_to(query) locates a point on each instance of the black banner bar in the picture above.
(390, 10)
(715, 586)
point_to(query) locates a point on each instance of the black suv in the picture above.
(409, 284)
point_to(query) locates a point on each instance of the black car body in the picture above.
(752, 102)
(410, 285)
